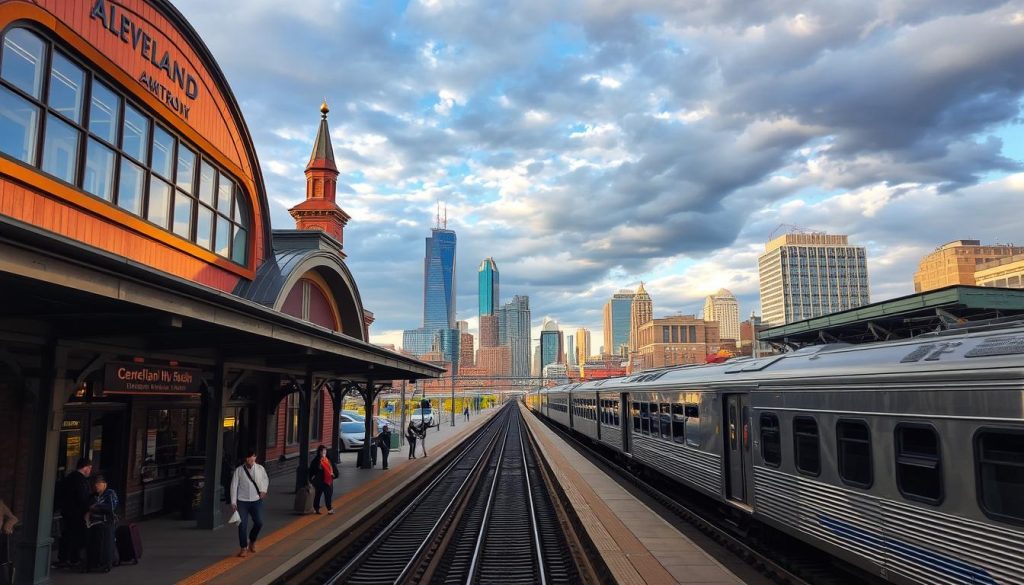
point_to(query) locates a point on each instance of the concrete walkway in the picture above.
(176, 551)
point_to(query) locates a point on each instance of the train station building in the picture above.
(150, 318)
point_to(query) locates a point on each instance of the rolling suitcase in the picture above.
(129, 543)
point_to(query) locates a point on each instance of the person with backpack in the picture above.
(411, 434)
(322, 473)
(101, 521)
(249, 486)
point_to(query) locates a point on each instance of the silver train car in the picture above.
(905, 458)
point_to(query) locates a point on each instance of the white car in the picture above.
(350, 416)
(426, 415)
(352, 435)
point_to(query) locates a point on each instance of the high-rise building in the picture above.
(489, 330)
(465, 348)
(617, 317)
(570, 351)
(439, 279)
(582, 345)
(641, 312)
(462, 326)
(672, 341)
(957, 262)
(514, 332)
(495, 361)
(725, 309)
(805, 275)
(487, 278)
(551, 344)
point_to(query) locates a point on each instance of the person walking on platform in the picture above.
(100, 551)
(465, 412)
(421, 434)
(249, 486)
(384, 442)
(410, 435)
(74, 495)
(322, 473)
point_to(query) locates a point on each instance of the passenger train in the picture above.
(905, 458)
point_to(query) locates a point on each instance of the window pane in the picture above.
(223, 246)
(238, 247)
(918, 469)
(645, 419)
(159, 202)
(239, 214)
(183, 215)
(135, 138)
(807, 445)
(225, 189)
(130, 186)
(854, 442)
(678, 423)
(771, 446)
(666, 423)
(60, 149)
(163, 151)
(23, 60)
(186, 168)
(67, 82)
(1001, 468)
(104, 111)
(204, 228)
(207, 177)
(99, 170)
(19, 125)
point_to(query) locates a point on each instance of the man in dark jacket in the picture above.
(384, 442)
(75, 496)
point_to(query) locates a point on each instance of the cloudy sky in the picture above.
(588, 145)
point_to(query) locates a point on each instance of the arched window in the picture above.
(58, 115)
(309, 302)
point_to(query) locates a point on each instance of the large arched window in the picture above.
(308, 300)
(60, 116)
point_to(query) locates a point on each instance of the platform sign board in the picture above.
(132, 378)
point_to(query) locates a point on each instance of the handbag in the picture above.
(235, 518)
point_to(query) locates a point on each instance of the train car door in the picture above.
(626, 423)
(737, 446)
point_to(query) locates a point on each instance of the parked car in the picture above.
(426, 415)
(352, 435)
(381, 421)
(351, 416)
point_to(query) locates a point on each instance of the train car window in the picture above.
(853, 442)
(678, 423)
(615, 413)
(604, 410)
(645, 418)
(918, 463)
(693, 435)
(999, 466)
(666, 422)
(807, 445)
(771, 440)
(636, 417)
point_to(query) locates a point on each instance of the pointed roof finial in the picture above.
(323, 108)
(323, 152)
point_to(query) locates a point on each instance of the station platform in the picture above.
(175, 551)
(637, 545)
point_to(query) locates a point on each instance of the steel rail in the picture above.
(487, 511)
(533, 511)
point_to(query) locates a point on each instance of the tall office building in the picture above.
(617, 316)
(723, 308)
(514, 331)
(439, 279)
(462, 326)
(582, 345)
(487, 279)
(957, 262)
(811, 274)
(489, 330)
(641, 312)
(466, 352)
(551, 344)
(570, 351)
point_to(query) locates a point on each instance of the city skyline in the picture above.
(584, 170)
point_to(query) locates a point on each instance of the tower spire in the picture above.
(320, 210)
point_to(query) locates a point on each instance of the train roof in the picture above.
(979, 347)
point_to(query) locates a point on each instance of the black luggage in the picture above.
(99, 550)
(129, 543)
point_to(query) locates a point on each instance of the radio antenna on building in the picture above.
(793, 229)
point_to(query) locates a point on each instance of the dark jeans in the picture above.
(384, 452)
(245, 509)
(412, 447)
(322, 489)
(73, 537)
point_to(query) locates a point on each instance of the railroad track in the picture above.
(491, 514)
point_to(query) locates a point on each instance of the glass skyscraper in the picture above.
(487, 278)
(617, 322)
(550, 345)
(439, 280)
(514, 331)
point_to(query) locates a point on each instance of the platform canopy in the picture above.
(902, 317)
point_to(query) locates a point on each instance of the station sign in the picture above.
(132, 378)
